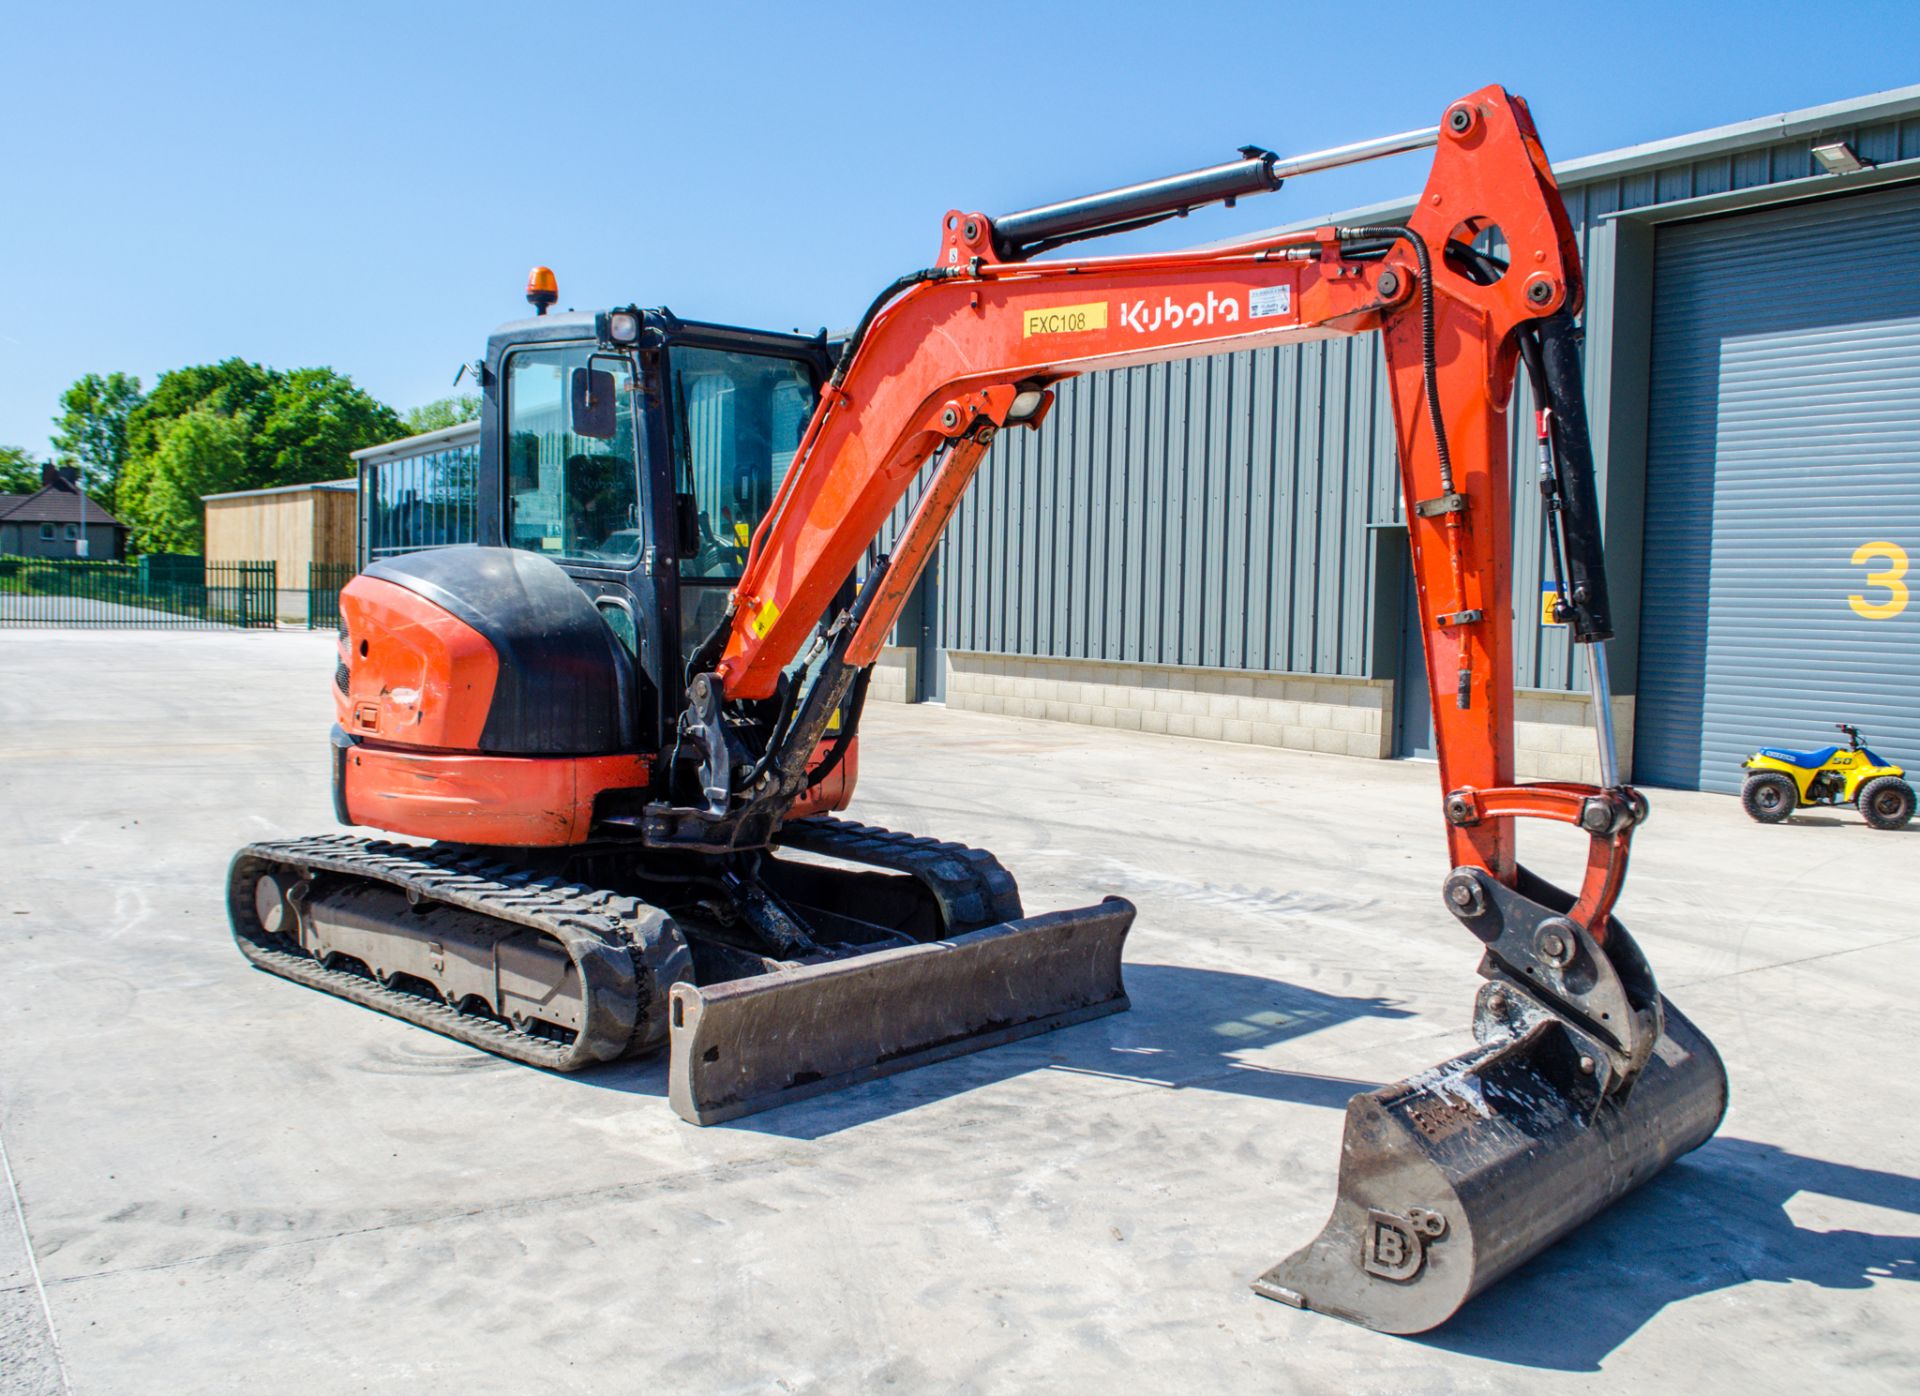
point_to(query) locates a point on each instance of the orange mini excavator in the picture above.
(623, 721)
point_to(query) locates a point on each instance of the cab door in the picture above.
(578, 499)
(739, 413)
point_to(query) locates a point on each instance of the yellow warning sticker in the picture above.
(763, 620)
(1065, 319)
(1549, 604)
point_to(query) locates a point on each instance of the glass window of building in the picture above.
(419, 501)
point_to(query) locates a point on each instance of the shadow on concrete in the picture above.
(1714, 1220)
(1828, 821)
(1185, 1031)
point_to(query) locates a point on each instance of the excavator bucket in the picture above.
(1457, 1176)
(746, 1045)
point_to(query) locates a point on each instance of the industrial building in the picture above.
(1216, 548)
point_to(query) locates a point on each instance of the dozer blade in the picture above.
(751, 1044)
(1454, 1177)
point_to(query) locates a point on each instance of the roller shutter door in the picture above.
(1784, 441)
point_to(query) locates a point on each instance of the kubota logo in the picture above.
(1172, 315)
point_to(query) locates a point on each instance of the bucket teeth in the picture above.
(1454, 1177)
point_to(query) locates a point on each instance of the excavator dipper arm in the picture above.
(1585, 1083)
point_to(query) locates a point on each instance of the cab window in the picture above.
(569, 496)
(740, 418)
(737, 423)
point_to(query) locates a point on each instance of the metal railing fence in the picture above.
(324, 580)
(156, 592)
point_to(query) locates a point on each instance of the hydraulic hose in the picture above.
(880, 303)
(850, 711)
(1429, 358)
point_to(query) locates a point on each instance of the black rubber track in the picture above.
(626, 952)
(973, 890)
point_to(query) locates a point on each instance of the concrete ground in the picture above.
(37, 610)
(16, 609)
(231, 1183)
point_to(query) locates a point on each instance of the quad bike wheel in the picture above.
(1770, 797)
(1886, 802)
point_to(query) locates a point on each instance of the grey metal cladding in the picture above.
(1184, 513)
(1215, 513)
(1785, 433)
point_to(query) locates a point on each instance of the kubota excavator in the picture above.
(624, 720)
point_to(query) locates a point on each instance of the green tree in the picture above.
(314, 421)
(19, 471)
(233, 388)
(445, 412)
(202, 452)
(92, 428)
(289, 428)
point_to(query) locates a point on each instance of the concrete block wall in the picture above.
(1553, 737)
(1349, 717)
(1553, 732)
(896, 676)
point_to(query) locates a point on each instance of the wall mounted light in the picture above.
(1838, 157)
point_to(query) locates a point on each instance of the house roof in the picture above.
(55, 503)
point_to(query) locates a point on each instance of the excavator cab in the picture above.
(646, 495)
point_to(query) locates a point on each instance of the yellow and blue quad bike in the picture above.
(1784, 781)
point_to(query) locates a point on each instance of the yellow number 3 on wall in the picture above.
(1889, 577)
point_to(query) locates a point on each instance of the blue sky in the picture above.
(365, 186)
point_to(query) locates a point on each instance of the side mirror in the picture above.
(686, 521)
(594, 411)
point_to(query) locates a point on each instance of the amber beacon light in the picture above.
(542, 289)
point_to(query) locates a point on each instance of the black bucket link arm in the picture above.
(1543, 963)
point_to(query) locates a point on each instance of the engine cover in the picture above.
(481, 650)
(481, 699)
